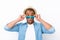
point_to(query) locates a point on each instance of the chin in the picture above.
(30, 22)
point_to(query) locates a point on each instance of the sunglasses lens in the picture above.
(32, 17)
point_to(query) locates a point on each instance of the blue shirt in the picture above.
(39, 30)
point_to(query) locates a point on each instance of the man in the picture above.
(30, 30)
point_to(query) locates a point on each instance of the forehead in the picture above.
(29, 12)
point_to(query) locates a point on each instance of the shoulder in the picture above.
(38, 23)
(21, 23)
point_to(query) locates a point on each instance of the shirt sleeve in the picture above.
(49, 31)
(15, 28)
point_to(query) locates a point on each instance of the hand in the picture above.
(21, 17)
(12, 23)
(37, 16)
(46, 25)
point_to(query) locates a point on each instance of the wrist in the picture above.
(40, 20)
(17, 20)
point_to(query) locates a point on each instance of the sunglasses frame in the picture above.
(32, 17)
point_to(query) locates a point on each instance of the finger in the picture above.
(39, 14)
(20, 15)
(23, 15)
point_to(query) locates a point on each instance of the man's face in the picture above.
(30, 13)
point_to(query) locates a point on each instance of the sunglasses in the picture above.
(32, 17)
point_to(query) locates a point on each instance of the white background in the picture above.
(11, 9)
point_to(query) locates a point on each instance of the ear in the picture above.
(35, 15)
